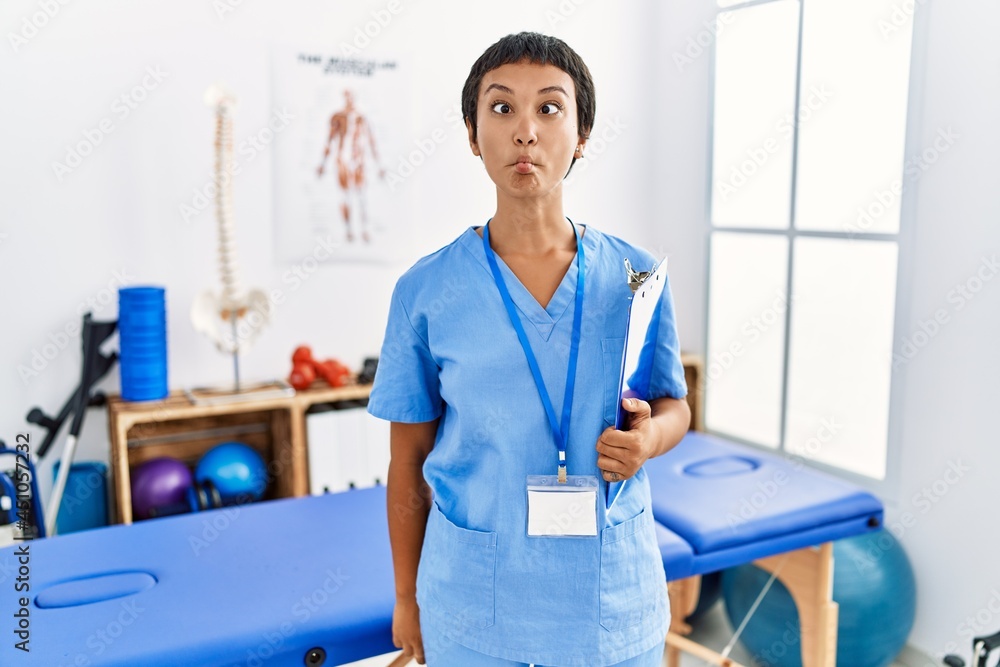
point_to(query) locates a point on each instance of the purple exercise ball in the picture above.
(157, 483)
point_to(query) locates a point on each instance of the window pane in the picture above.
(753, 122)
(852, 118)
(746, 336)
(840, 352)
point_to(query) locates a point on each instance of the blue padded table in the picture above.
(256, 584)
(268, 582)
(734, 504)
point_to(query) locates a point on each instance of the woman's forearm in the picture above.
(672, 417)
(408, 500)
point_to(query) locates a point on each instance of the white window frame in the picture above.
(889, 486)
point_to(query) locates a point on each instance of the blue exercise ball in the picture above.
(236, 470)
(873, 584)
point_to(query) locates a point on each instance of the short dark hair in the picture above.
(540, 50)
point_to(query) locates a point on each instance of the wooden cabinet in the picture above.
(694, 374)
(275, 427)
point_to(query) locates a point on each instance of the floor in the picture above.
(713, 631)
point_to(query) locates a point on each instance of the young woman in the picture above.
(501, 362)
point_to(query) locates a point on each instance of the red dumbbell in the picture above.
(302, 355)
(335, 373)
(305, 369)
(302, 376)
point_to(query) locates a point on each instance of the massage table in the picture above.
(258, 584)
(309, 581)
(731, 504)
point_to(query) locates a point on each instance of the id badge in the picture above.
(562, 510)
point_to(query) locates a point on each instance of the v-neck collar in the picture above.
(543, 319)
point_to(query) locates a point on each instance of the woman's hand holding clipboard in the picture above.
(641, 332)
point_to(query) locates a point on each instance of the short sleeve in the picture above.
(667, 376)
(407, 385)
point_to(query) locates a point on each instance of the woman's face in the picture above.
(527, 127)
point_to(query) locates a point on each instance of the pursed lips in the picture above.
(524, 164)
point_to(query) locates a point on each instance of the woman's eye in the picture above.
(549, 108)
(501, 107)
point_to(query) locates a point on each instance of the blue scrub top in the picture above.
(450, 352)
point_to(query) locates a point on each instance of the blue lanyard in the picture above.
(560, 433)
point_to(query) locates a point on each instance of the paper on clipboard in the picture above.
(641, 333)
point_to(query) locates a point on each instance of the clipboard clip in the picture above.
(636, 278)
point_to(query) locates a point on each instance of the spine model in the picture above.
(234, 318)
(229, 266)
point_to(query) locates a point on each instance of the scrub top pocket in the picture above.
(633, 583)
(613, 349)
(457, 571)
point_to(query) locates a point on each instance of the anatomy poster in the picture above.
(332, 180)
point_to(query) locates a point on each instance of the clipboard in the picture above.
(641, 331)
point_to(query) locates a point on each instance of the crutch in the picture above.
(95, 366)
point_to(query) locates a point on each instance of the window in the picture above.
(809, 124)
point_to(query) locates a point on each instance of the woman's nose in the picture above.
(525, 134)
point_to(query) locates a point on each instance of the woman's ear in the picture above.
(580, 145)
(473, 144)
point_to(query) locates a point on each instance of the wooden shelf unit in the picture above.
(694, 375)
(275, 427)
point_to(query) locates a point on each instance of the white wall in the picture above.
(950, 389)
(61, 243)
(679, 151)
(117, 214)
